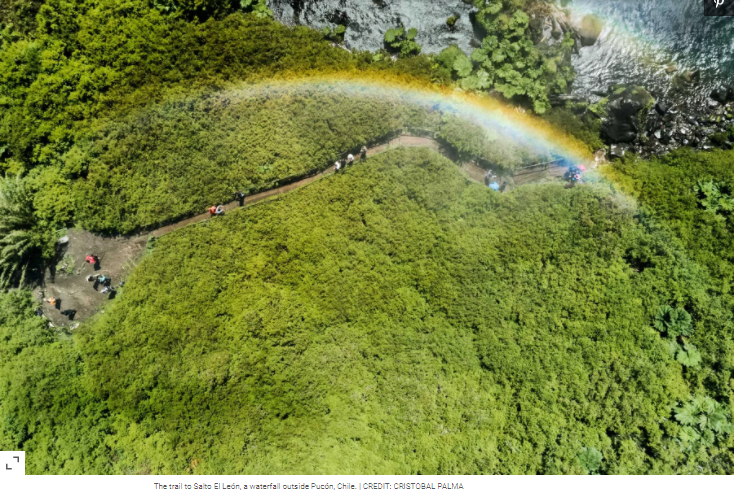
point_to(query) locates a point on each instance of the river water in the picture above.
(644, 41)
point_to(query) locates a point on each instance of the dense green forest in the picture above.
(173, 159)
(115, 115)
(392, 318)
(395, 318)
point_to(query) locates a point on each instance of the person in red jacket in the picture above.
(216, 210)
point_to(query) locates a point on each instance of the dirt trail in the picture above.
(118, 256)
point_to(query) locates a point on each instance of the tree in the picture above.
(19, 239)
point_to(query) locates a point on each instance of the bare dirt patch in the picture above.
(77, 298)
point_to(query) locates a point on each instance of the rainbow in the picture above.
(513, 123)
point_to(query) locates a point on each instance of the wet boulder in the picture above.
(723, 95)
(589, 29)
(623, 113)
(662, 108)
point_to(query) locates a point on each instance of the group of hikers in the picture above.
(215, 210)
(97, 279)
(220, 209)
(574, 174)
(492, 181)
(350, 159)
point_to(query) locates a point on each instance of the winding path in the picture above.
(404, 140)
(120, 255)
(472, 170)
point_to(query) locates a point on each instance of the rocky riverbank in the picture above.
(632, 120)
(640, 70)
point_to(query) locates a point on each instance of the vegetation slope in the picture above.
(395, 318)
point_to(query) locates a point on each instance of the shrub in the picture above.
(508, 59)
(334, 34)
(673, 322)
(702, 420)
(399, 40)
(590, 460)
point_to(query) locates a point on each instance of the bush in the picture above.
(399, 40)
(508, 60)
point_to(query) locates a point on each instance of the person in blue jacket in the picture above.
(494, 186)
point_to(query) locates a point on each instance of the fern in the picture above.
(257, 7)
(19, 241)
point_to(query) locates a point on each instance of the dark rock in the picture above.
(661, 108)
(339, 17)
(624, 113)
(690, 76)
(723, 95)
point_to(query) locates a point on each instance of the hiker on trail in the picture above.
(216, 210)
(363, 152)
(350, 159)
(240, 195)
(494, 186)
(106, 290)
(91, 278)
(489, 177)
(93, 260)
(337, 166)
(53, 301)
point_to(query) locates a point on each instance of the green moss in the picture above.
(599, 108)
